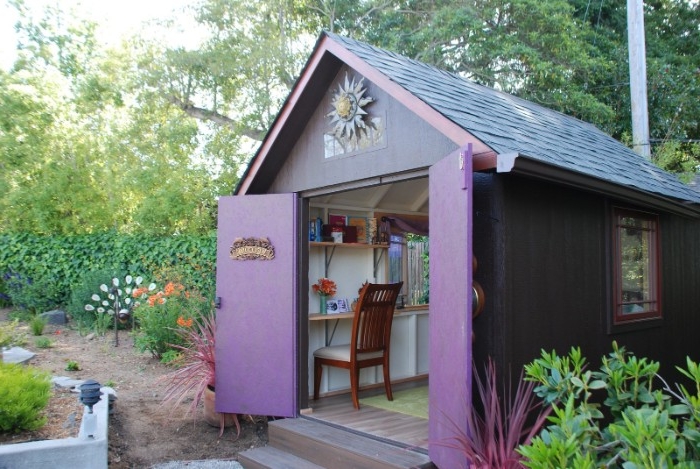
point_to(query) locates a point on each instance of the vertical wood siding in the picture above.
(552, 291)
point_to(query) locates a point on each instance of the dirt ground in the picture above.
(141, 431)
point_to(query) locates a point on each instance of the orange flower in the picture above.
(156, 299)
(182, 322)
(173, 289)
(139, 291)
(325, 286)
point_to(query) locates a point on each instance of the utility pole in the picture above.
(638, 78)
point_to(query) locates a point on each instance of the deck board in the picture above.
(405, 430)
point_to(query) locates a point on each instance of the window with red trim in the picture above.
(636, 266)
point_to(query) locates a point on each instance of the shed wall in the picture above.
(409, 144)
(547, 281)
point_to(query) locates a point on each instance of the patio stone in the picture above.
(17, 355)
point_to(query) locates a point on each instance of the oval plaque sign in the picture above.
(244, 249)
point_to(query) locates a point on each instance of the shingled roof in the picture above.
(508, 124)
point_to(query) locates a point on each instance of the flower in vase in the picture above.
(325, 287)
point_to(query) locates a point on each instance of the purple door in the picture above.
(256, 346)
(450, 305)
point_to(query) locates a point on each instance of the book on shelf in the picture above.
(360, 224)
(334, 219)
(372, 230)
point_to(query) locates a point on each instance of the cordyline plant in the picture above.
(495, 432)
(196, 366)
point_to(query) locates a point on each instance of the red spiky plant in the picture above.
(196, 367)
(501, 425)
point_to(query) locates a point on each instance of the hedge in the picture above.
(61, 260)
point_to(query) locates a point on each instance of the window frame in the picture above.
(652, 312)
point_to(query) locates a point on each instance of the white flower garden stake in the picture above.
(118, 302)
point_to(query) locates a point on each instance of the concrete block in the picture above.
(87, 451)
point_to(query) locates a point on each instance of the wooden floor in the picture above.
(401, 429)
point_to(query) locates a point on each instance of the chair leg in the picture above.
(354, 386)
(387, 381)
(318, 370)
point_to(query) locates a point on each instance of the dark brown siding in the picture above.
(680, 277)
(544, 265)
(554, 269)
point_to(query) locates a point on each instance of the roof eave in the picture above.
(520, 164)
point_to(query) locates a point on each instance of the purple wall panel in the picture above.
(450, 307)
(256, 338)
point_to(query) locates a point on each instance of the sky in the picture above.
(116, 19)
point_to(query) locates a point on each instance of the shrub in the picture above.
(36, 295)
(43, 342)
(163, 314)
(11, 335)
(24, 393)
(5, 299)
(72, 365)
(65, 258)
(37, 325)
(639, 424)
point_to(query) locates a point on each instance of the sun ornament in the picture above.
(348, 113)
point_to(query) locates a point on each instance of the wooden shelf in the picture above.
(333, 246)
(330, 244)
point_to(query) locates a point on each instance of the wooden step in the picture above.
(334, 448)
(268, 457)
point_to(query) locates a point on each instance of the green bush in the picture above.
(166, 312)
(5, 300)
(34, 294)
(43, 342)
(37, 325)
(10, 335)
(24, 393)
(72, 365)
(639, 425)
(64, 259)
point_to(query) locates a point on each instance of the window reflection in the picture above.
(637, 276)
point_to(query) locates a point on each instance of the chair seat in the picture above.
(342, 353)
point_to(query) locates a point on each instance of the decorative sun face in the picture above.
(348, 113)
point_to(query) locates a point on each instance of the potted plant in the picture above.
(196, 371)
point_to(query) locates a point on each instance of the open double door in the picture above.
(260, 333)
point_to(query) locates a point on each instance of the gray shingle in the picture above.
(509, 124)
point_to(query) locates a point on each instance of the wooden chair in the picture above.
(370, 339)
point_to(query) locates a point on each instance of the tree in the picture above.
(87, 148)
(242, 71)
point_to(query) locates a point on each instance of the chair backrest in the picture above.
(374, 313)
